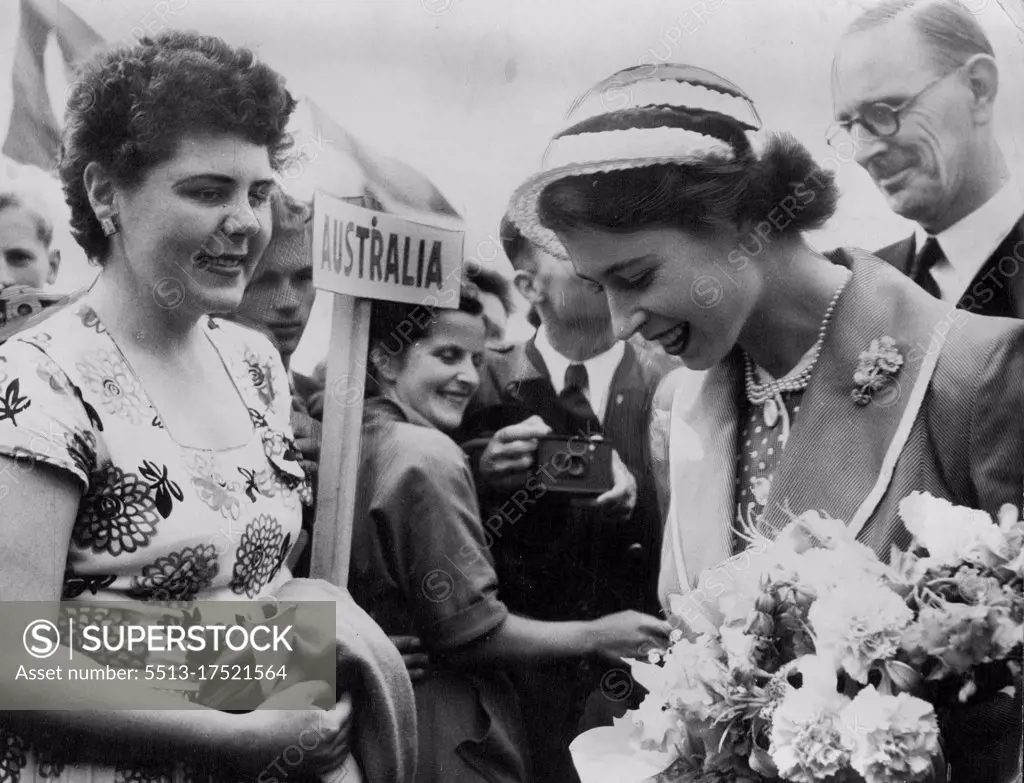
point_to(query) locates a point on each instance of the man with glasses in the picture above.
(914, 88)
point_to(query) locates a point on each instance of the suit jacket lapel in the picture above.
(836, 452)
(901, 255)
(627, 400)
(998, 288)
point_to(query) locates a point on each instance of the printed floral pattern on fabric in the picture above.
(74, 586)
(165, 491)
(214, 490)
(13, 402)
(260, 555)
(107, 376)
(12, 756)
(261, 377)
(288, 475)
(52, 374)
(48, 764)
(81, 446)
(117, 515)
(41, 340)
(259, 421)
(156, 520)
(180, 576)
(90, 320)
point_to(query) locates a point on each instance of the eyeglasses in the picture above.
(879, 119)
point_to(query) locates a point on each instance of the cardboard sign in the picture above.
(373, 255)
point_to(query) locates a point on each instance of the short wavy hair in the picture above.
(31, 203)
(700, 197)
(131, 105)
(289, 214)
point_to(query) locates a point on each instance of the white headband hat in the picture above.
(642, 116)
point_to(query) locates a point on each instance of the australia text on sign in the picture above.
(360, 252)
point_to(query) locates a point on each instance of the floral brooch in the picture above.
(878, 366)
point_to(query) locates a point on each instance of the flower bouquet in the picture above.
(823, 663)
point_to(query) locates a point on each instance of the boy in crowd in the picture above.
(26, 233)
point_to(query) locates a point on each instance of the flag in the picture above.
(396, 186)
(34, 132)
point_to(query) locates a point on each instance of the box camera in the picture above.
(574, 466)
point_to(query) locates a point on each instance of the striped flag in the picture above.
(393, 185)
(34, 132)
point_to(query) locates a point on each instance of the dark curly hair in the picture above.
(784, 185)
(130, 105)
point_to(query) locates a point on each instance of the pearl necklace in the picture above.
(768, 394)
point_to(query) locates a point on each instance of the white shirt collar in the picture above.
(968, 243)
(600, 370)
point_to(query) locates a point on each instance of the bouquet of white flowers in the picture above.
(824, 663)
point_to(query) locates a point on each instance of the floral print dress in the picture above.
(157, 520)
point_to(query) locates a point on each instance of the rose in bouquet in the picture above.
(823, 663)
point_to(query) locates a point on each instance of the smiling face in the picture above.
(201, 218)
(922, 169)
(676, 289)
(437, 375)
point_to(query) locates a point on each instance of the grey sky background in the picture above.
(469, 91)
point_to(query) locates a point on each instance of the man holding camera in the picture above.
(561, 456)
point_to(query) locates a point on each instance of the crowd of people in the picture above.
(172, 452)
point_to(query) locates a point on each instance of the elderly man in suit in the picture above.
(914, 91)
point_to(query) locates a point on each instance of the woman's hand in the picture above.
(627, 634)
(285, 741)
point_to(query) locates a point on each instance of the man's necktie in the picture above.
(930, 255)
(574, 399)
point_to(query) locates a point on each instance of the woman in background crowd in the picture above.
(420, 559)
(826, 389)
(145, 449)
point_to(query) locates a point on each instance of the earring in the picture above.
(109, 226)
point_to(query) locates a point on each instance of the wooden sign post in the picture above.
(360, 255)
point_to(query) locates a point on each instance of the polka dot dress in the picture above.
(757, 455)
